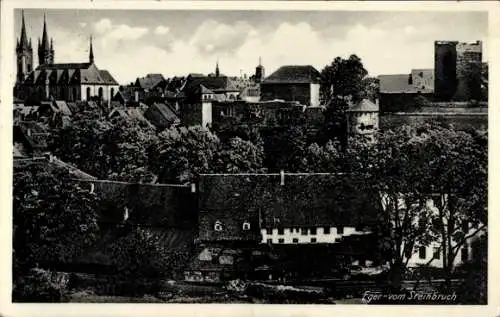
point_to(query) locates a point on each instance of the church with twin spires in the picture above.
(59, 81)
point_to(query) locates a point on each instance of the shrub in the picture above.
(40, 287)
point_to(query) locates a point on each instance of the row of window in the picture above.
(422, 253)
(305, 231)
(218, 226)
(294, 240)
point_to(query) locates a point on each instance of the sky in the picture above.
(132, 43)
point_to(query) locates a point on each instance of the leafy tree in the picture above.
(180, 154)
(393, 165)
(324, 159)
(105, 149)
(371, 88)
(237, 155)
(54, 219)
(457, 164)
(81, 144)
(125, 148)
(343, 78)
(335, 127)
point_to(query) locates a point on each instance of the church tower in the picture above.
(259, 72)
(217, 72)
(91, 52)
(24, 53)
(45, 52)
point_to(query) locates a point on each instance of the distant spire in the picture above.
(217, 72)
(91, 52)
(51, 44)
(45, 38)
(23, 42)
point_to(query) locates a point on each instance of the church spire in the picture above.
(23, 42)
(45, 49)
(45, 38)
(91, 52)
(217, 72)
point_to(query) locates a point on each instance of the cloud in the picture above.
(103, 26)
(83, 24)
(127, 52)
(120, 31)
(161, 30)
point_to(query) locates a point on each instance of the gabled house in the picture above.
(292, 83)
(398, 92)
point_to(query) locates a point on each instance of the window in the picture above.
(297, 230)
(304, 231)
(437, 253)
(112, 93)
(281, 240)
(326, 230)
(313, 231)
(295, 240)
(246, 226)
(465, 253)
(88, 93)
(421, 253)
(269, 231)
(313, 240)
(101, 92)
(281, 231)
(340, 230)
(218, 226)
(75, 94)
(269, 241)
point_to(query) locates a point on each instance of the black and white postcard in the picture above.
(250, 153)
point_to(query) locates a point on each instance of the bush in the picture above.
(39, 287)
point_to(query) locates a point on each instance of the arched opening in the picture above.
(112, 93)
(100, 93)
(88, 93)
(75, 94)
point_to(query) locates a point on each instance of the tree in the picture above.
(126, 147)
(394, 170)
(54, 219)
(106, 149)
(179, 154)
(458, 164)
(236, 155)
(343, 78)
(324, 159)
(371, 88)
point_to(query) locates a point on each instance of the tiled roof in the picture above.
(161, 115)
(150, 81)
(106, 77)
(364, 105)
(62, 107)
(303, 200)
(215, 84)
(400, 83)
(71, 73)
(294, 74)
(172, 239)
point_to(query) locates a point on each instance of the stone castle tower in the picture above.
(457, 69)
(24, 53)
(45, 51)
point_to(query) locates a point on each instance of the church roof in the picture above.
(294, 74)
(70, 73)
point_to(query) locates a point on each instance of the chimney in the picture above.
(282, 178)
